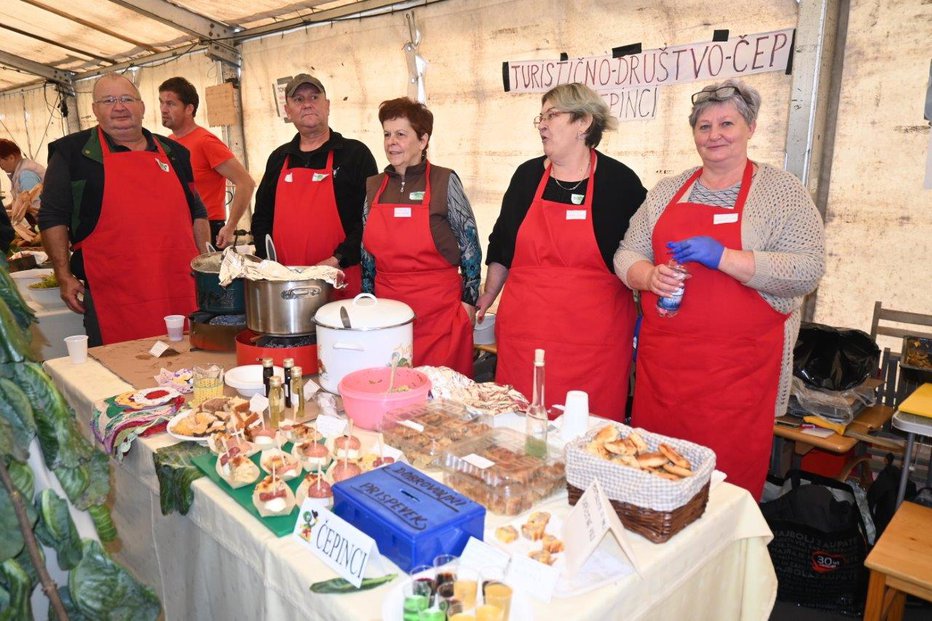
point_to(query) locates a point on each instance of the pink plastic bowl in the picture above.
(365, 396)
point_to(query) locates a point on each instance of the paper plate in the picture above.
(175, 420)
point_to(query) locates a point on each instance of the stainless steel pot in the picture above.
(284, 307)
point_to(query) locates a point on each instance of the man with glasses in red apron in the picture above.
(121, 198)
(311, 196)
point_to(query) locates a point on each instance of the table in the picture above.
(217, 562)
(860, 430)
(900, 563)
(54, 325)
(912, 425)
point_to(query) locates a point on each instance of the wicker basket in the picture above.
(653, 507)
(656, 526)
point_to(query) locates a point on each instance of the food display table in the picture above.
(900, 563)
(218, 562)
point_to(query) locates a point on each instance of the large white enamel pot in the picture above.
(359, 334)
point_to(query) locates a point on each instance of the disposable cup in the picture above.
(175, 326)
(77, 348)
(575, 415)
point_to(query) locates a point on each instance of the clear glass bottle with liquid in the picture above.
(297, 393)
(670, 306)
(537, 420)
(276, 401)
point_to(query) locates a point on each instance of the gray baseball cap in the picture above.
(303, 78)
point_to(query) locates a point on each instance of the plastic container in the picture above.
(367, 393)
(496, 470)
(412, 517)
(247, 380)
(484, 333)
(47, 298)
(425, 431)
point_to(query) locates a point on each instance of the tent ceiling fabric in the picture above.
(90, 35)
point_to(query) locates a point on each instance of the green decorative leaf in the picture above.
(10, 294)
(98, 468)
(100, 514)
(6, 438)
(14, 341)
(26, 563)
(15, 408)
(49, 407)
(73, 613)
(56, 530)
(176, 473)
(73, 480)
(101, 589)
(15, 580)
(23, 479)
(11, 537)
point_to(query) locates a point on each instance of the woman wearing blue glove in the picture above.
(719, 370)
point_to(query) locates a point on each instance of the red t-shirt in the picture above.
(207, 152)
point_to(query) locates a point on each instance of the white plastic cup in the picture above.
(77, 348)
(575, 415)
(175, 326)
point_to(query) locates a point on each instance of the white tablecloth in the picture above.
(219, 563)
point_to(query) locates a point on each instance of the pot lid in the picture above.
(365, 312)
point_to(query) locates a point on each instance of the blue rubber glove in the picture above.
(704, 250)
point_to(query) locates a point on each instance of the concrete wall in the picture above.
(878, 220)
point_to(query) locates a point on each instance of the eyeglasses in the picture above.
(123, 99)
(722, 93)
(546, 118)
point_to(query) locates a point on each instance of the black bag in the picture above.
(819, 544)
(833, 358)
(881, 497)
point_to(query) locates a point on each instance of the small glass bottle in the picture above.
(537, 420)
(297, 393)
(288, 364)
(670, 306)
(268, 370)
(276, 401)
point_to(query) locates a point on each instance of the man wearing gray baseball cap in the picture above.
(311, 196)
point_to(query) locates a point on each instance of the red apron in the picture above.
(138, 257)
(409, 268)
(710, 374)
(561, 297)
(307, 225)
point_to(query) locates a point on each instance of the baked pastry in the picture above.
(552, 544)
(542, 556)
(272, 497)
(533, 530)
(506, 534)
(673, 455)
(236, 469)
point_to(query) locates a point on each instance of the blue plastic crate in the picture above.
(411, 516)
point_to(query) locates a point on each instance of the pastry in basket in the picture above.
(263, 437)
(286, 466)
(314, 486)
(303, 432)
(343, 470)
(347, 447)
(633, 451)
(217, 441)
(237, 469)
(272, 497)
(506, 534)
(313, 455)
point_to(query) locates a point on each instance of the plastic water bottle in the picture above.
(670, 306)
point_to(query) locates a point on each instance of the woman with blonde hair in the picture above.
(561, 221)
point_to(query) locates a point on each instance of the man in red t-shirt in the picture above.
(212, 161)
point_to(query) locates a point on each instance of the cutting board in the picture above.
(920, 402)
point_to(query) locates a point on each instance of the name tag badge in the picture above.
(289, 178)
(724, 218)
(162, 165)
(416, 196)
(402, 212)
(575, 214)
(577, 199)
(318, 177)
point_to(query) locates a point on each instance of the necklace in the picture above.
(564, 188)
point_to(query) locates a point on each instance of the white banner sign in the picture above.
(713, 60)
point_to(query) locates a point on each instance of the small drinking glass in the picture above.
(465, 587)
(445, 566)
(208, 383)
(416, 599)
(494, 590)
(425, 575)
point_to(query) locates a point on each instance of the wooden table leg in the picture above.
(873, 609)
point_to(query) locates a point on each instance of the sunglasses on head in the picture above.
(721, 93)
